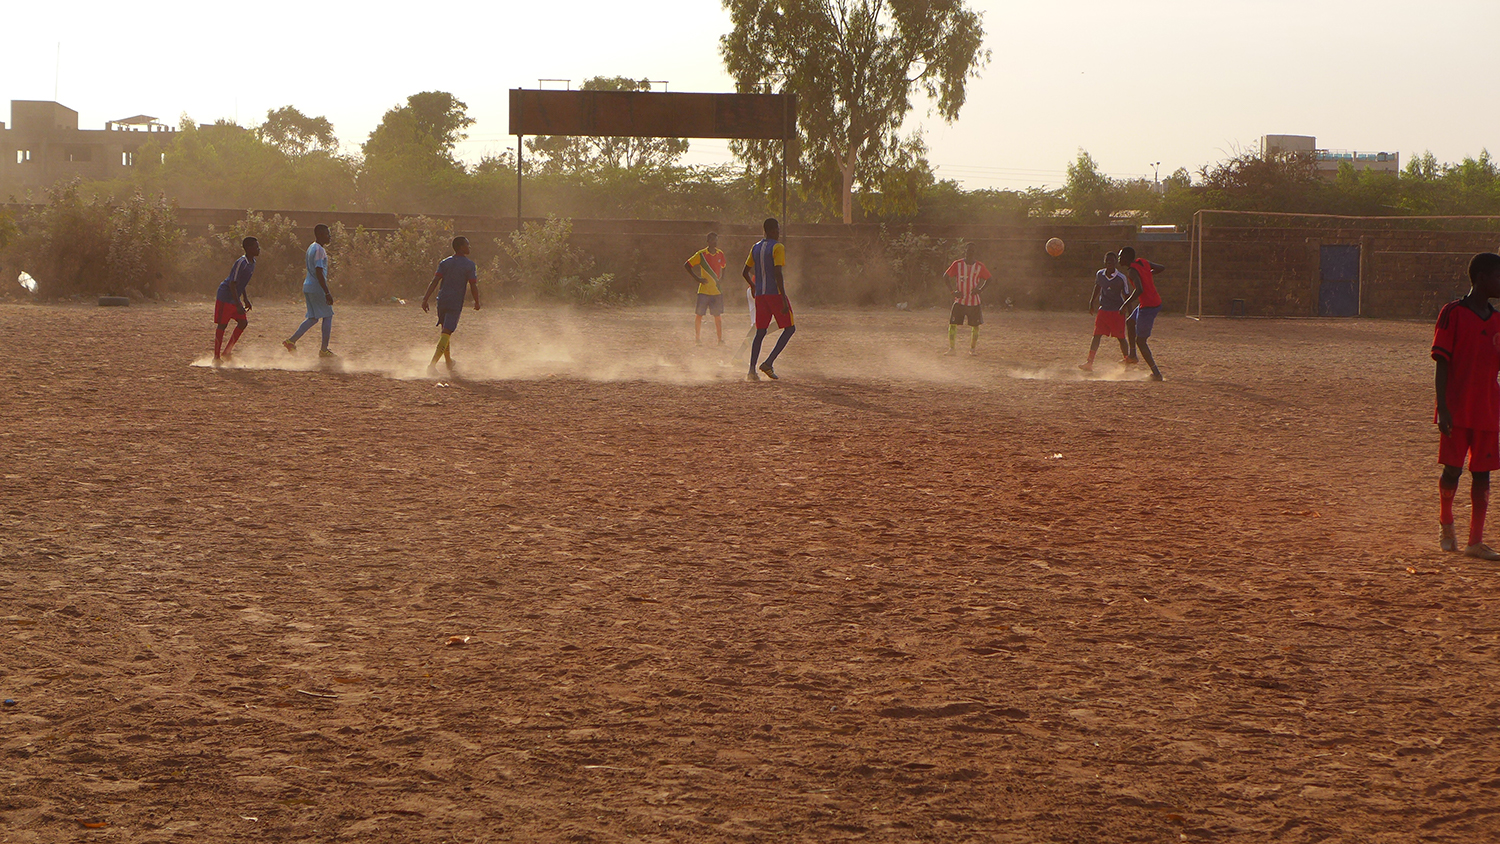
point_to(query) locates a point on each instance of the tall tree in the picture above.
(294, 133)
(568, 154)
(409, 161)
(855, 65)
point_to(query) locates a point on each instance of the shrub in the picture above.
(280, 268)
(548, 267)
(917, 263)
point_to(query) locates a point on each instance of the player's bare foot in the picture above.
(1086, 367)
(973, 353)
(1448, 540)
(949, 352)
(1480, 551)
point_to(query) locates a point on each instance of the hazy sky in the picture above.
(1183, 82)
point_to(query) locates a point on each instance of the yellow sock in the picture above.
(974, 337)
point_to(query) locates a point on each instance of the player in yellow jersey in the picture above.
(707, 267)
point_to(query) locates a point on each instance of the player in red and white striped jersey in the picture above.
(969, 278)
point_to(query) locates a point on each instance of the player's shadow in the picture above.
(839, 395)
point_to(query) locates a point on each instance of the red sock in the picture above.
(1446, 493)
(218, 340)
(1481, 500)
(233, 338)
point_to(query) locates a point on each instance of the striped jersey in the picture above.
(765, 254)
(970, 277)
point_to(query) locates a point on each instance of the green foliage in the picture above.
(409, 161)
(547, 266)
(77, 244)
(295, 134)
(917, 264)
(855, 65)
(1090, 195)
(282, 262)
(379, 266)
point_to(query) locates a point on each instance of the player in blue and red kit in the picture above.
(1466, 347)
(455, 274)
(233, 301)
(765, 274)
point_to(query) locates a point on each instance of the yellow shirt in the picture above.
(710, 268)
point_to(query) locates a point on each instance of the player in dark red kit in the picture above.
(1466, 346)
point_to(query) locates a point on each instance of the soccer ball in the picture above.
(1055, 247)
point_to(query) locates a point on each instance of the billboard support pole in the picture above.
(519, 146)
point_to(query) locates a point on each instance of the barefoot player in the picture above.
(1468, 400)
(765, 273)
(1111, 288)
(315, 290)
(707, 268)
(969, 280)
(232, 302)
(455, 273)
(1138, 327)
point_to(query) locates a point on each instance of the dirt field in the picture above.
(894, 596)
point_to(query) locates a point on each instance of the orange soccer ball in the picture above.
(1055, 247)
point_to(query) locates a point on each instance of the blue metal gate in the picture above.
(1338, 296)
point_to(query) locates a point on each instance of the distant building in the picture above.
(1326, 161)
(43, 145)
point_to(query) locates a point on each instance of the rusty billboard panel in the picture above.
(651, 114)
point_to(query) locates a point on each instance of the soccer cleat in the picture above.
(1156, 376)
(752, 376)
(1132, 361)
(1480, 551)
(289, 345)
(770, 373)
(1448, 541)
(949, 352)
(973, 353)
(1086, 367)
(324, 353)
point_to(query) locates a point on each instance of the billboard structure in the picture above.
(652, 114)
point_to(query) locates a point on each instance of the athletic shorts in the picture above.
(317, 306)
(772, 307)
(710, 304)
(1145, 318)
(1108, 323)
(1482, 447)
(227, 312)
(448, 319)
(973, 313)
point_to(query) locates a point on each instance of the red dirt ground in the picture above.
(893, 596)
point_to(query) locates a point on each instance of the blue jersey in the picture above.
(232, 289)
(765, 255)
(456, 271)
(1113, 289)
(317, 256)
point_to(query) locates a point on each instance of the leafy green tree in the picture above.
(294, 133)
(1089, 193)
(408, 159)
(855, 65)
(584, 155)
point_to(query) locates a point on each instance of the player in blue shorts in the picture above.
(315, 289)
(455, 273)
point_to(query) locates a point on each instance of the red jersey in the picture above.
(968, 277)
(1149, 297)
(1471, 345)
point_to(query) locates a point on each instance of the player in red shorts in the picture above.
(1466, 346)
(1111, 289)
(232, 301)
(764, 272)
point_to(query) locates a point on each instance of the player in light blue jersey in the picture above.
(315, 289)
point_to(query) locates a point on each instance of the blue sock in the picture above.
(760, 334)
(786, 335)
(302, 329)
(327, 331)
